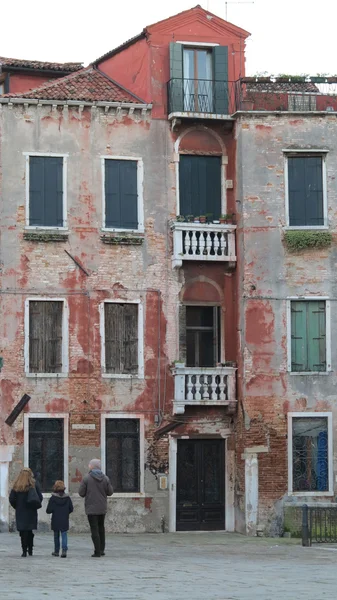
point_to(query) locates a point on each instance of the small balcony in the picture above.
(201, 98)
(203, 242)
(203, 386)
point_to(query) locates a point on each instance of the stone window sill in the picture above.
(122, 239)
(46, 235)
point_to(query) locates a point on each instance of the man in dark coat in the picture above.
(95, 488)
(60, 506)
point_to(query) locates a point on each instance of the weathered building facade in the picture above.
(151, 309)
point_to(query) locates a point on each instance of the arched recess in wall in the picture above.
(203, 294)
(200, 140)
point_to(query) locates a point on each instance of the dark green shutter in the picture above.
(200, 185)
(176, 103)
(220, 54)
(308, 336)
(46, 191)
(305, 191)
(36, 190)
(121, 197)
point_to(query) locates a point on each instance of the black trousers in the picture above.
(27, 538)
(96, 523)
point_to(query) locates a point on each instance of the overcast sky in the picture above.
(287, 36)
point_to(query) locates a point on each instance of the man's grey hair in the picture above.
(95, 463)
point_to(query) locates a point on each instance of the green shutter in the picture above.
(305, 190)
(176, 78)
(316, 336)
(308, 336)
(298, 336)
(121, 194)
(221, 79)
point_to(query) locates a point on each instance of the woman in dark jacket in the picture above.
(25, 514)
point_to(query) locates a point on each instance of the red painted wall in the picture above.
(144, 67)
(22, 82)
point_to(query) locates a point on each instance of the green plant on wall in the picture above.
(301, 240)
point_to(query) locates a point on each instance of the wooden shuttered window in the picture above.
(45, 336)
(200, 185)
(308, 335)
(305, 191)
(121, 338)
(181, 87)
(121, 195)
(46, 191)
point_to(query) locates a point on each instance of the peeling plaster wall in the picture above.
(270, 274)
(118, 272)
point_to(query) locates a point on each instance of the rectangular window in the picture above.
(46, 450)
(202, 336)
(309, 453)
(45, 191)
(308, 335)
(46, 337)
(200, 185)
(306, 191)
(121, 335)
(123, 454)
(122, 205)
(301, 102)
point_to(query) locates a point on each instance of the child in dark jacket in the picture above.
(60, 506)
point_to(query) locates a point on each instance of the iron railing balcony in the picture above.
(205, 242)
(201, 97)
(204, 386)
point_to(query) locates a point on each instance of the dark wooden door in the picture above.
(200, 485)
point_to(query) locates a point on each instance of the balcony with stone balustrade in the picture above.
(205, 242)
(204, 386)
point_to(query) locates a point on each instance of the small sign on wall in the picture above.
(83, 426)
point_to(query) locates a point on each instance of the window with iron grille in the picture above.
(121, 338)
(46, 191)
(45, 336)
(46, 450)
(305, 191)
(310, 459)
(123, 454)
(308, 335)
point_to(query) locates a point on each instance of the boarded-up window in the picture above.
(121, 197)
(122, 454)
(45, 336)
(308, 335)
(305, 191)
(46, 191)
(46, 460)
(121, 338)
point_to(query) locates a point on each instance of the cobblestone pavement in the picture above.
(207, 566)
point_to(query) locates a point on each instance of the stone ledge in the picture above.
(122, 240)
(46, 236)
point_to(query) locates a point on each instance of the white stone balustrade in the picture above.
(203, 242)
(198, 386)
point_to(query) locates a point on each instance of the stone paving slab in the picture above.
(207, 566)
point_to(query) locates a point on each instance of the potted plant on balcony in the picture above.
(190, 218)
(202, 219)
(209, 217)
(226, 218)
(180, 218)
(196, 219)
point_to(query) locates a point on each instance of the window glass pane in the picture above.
(46, 451)
(188, 64)
(122, 454)
(310, 454)
(199, 316)
(204, 62)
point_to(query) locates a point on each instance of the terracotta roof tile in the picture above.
(88, 85)
(282, 86)
(40, 65)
